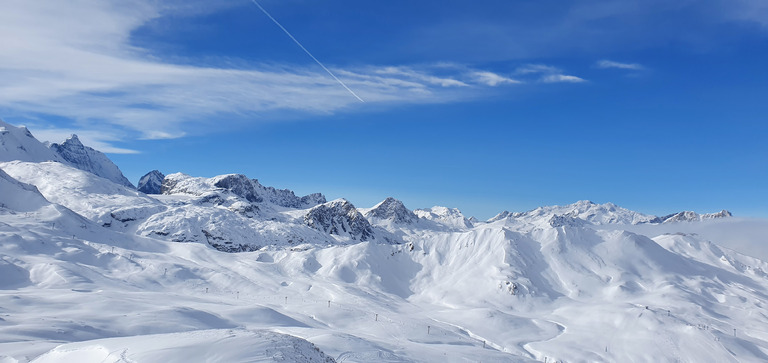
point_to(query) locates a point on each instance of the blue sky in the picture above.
(486, 106)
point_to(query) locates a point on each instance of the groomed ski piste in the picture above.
(226, 270)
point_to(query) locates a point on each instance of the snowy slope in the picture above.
(94, 271)
(489, 294)
(91, 196)
(17, 143)
(220, 345)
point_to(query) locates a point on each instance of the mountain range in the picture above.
(184, 267)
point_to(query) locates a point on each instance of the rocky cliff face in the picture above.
(151, 183)
(287, 198)
(86, 158)
(239, 185)
(341, 218)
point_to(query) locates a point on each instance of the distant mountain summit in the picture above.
(17, 143)
(151, 183)
(448, 217)
(89, 159)
(393, 210)
(690, 216)
(586, 212)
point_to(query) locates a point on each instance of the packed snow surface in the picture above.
(95, 271)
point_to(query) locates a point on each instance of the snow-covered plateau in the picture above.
(225, 269)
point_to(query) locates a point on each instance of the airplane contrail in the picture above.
(305, 50)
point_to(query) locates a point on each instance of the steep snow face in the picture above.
(17, 143)
(340, 217)
(151, 183)
(93, 197)
(392, 210)
(18, 196)
(89, 159)
(447, 217)
(690, 216)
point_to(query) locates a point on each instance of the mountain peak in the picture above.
(393, 210)
(73, 140)
(339, 217)
(151, 183)
(89, 159)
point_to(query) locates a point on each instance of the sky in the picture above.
(484, 106)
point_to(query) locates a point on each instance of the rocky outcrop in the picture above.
(341, 218)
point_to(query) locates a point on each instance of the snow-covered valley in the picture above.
(225, 269)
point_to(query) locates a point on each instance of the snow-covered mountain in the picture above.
(391, 210)
(451, 218)
(588, 211)
(151, 183)
(92, 271)
(690, 216)
(18, 143)
(90, 160)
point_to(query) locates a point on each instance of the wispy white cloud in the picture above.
(75, 60)
(611, 64)
(410, 73)
(492, 79)
(548, 74)
(537, 68)
(561, 78)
